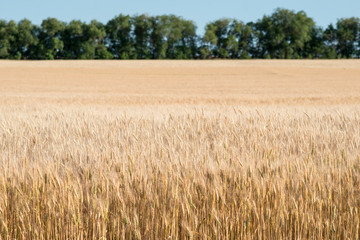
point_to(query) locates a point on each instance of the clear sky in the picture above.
(323, 12)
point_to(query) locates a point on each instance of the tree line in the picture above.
(284, 34)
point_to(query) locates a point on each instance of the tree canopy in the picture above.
(285, 34)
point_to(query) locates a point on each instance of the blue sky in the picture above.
(200, 11)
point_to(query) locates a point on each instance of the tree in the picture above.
(217, 38)
(172, 37)
(180, 37)
(7, 37)
(8, 40)
(158, 44)
(330, 42)
(315, 47)
(74, 45)
(92, 45)
(119, 36)
(96, 37)
(186, 45)
(347, 36)
(225, 38)
(142, 30)
(240, 40)
(26, 39)
(51, 43)
(85, 41)
(283, 34)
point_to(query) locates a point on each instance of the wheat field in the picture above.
(180, 149)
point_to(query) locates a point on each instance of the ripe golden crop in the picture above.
(86, 154)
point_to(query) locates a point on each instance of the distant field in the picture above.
(180, 149)
(114, 83)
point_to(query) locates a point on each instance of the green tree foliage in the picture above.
(74, 44)
(95, 38)
(142, 30)
(5, 45)
(51, 43)
(85, 41)
(240, 40)
(315, 48)
(120, 38)
(26, 39)
(158, 43)
(8, 45)
(189, 39)
(172, 37)
(217, 38)
(347, 36)
(181, 38)
(330, 42)
(225, 38)
(283, 34)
